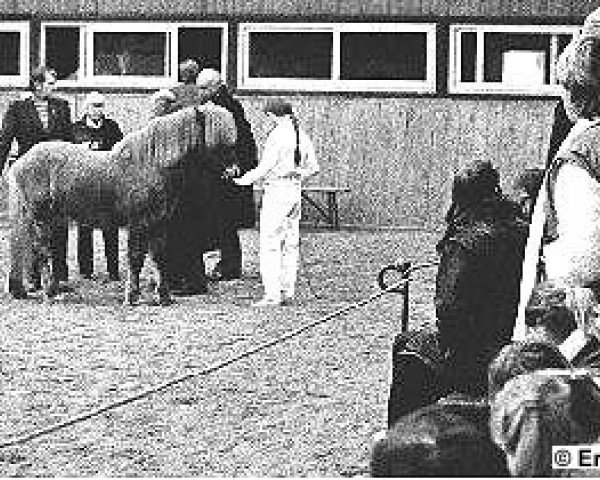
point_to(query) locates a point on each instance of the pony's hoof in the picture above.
(17, 290)
(51, 291)
(132, 298)
(162, 300)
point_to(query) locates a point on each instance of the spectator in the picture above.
(99, 133)
(234, 204)
(522, 357)
(526, 188)
(39, 117)
(476, 296)
(537, 410)
(437, 441)
(567, 317)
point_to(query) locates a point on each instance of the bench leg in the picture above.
(333, 210)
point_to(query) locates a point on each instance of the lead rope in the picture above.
(213, 368)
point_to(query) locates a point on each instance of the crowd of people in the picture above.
(511, 368)
(207, 218)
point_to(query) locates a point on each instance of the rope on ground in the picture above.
(213, 368)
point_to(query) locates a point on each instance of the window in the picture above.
(518, 59)
(14, 53)
(127, 54)
(330, 57)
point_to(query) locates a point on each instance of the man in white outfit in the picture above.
(288, 158)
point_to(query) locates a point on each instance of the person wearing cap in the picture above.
(98, 132)
(287, 159)
(234, 203)
(37, 117)
(192, 226)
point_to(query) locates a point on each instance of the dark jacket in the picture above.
(102, 138)
(237, 203)
(477, 286)
(22, 123)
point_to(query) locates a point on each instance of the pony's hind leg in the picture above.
(43, 259)
(18, 252)
(162, 294)
(137, 248)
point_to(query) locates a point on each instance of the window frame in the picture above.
(86, 57)
(479, 86)
(23, 28)
(334, 83)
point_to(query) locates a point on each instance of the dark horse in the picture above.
(139, 184)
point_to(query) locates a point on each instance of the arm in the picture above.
(268, 161)
(7, 134)
(309, 158)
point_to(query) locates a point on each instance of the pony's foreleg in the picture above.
(158, 250)
(137, 248)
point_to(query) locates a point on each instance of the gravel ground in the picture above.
(305, 407)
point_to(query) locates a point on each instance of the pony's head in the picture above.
(168, 139)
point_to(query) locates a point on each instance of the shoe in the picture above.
(217, 275)
(267, 302)
(86, 275)
(189, 290)
(114, 277)
(287, 298)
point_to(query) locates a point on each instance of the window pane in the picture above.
(130, 54)
(383, 56)
(520, 58)
(9, 53)
(62, 51)
(290, 55)
(468, 56)
(202, 45)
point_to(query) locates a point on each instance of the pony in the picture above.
(138, 184)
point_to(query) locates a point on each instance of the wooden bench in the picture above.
(329, 211)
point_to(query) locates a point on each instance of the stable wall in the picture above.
(397, 155)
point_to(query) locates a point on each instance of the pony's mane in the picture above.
(167, 139)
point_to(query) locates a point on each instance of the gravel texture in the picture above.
(305, 407)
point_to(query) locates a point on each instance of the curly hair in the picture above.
(578, 71)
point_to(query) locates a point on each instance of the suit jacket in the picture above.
(103, 138)
(22, 123)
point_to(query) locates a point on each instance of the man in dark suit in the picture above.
(191, 224)
(234, 204)
(39, 117)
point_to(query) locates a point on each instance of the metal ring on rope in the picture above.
(210, 369)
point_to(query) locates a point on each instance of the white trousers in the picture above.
(280, 238)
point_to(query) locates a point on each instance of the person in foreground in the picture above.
(288, 158)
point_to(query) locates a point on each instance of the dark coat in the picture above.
(477, 287)
(237, 203)
(22, 123)
(102, 138)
